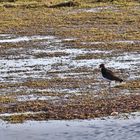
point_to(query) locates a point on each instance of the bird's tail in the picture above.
(121, 80)
(118, 79)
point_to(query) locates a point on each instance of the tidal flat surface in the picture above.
(52, 58)
(50, 68)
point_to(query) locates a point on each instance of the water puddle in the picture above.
(96, 9)
(64, 90)
(127, 41)
(125, 61)
(22, 113)
(112, 42)
(12, 39)
(125, 128)
(32, 97)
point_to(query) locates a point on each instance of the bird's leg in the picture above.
(109, 86)
(109, 83)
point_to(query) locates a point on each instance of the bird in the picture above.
(108, 74)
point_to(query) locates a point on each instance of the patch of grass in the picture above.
(2, 85)
(6, 99)
(76, 107)
(35, 84)
(55, 54)
(92, 56)
(133, 85)
(106, 25)
(14, 119)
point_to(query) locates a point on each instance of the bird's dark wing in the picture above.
(109, 72)
(110, 75)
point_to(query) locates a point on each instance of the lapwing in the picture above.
(108, 74)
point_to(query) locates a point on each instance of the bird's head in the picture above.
(101, 66)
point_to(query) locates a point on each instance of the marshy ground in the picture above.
(49, 60)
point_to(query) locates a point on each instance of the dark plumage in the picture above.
(108, 74)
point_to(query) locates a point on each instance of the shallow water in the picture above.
(113, 42)
(99, 129)
(11, 39)
(95, 9)
(53, 58)
(22, 113)
(32, 97)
